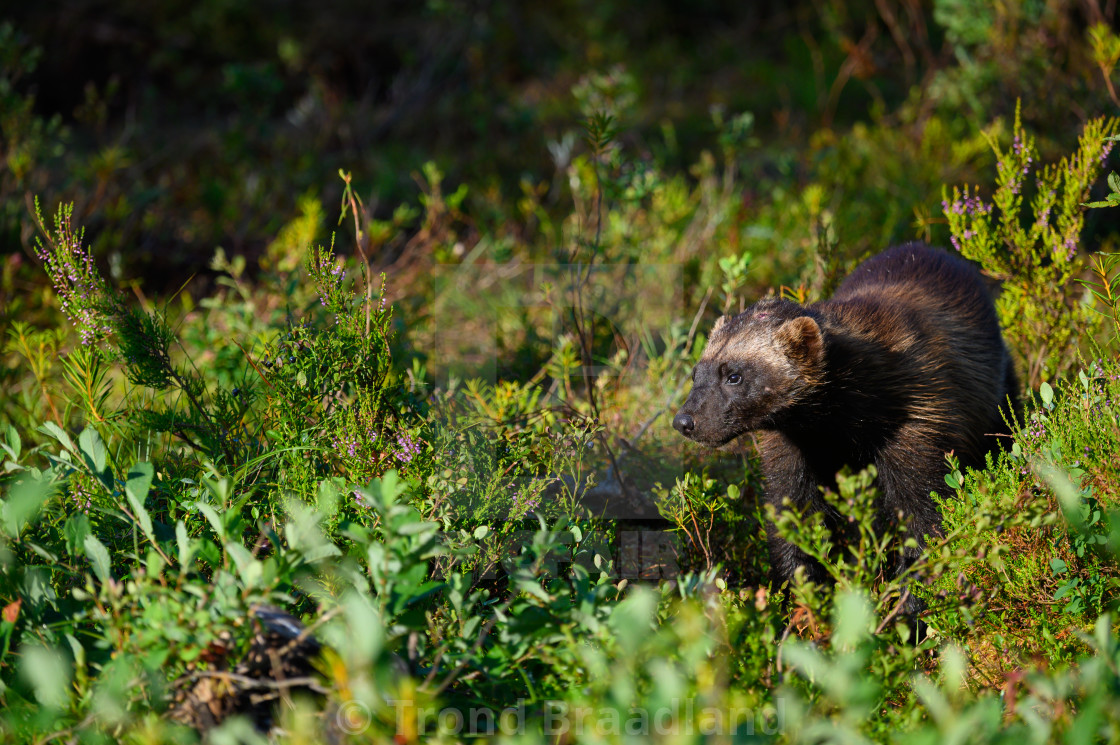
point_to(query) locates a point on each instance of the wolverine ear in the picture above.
(719, 323)
(802, 337)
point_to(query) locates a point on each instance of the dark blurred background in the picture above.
(177, 127)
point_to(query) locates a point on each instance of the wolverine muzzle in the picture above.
(684, 424)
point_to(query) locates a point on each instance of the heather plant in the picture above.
(301, 406)
(83, 294)
(333, 403)
(142, 343)
(1028, 236)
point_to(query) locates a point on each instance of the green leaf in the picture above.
(853, 617)
(186, 551)
(212, 517)
(809, 660)
(12, 447)
(98, 557)
(95, 453)
(52, 429)
(325, 550)
(481, 532)
(1047, 394)
(23, 502)
(247, 566)
(375, 558)
(42, 551)
(1069, 496)
(388, 488)
(75, 530)
(632, 620)
(48, 673)
(154, 563)
(532, 588)
(328, 498)
(1067, 588)
(76, 649)
(136, 490)
(954, 668)
(417, 528)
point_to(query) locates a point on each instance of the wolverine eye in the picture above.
(734, 379)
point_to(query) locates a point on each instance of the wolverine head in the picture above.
(757, 365)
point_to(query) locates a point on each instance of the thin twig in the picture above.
(260, 683)
(894, 611)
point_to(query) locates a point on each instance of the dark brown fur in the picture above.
(905, 363)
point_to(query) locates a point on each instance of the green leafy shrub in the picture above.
(1038, 578)
(1034, 252)
(280, 437)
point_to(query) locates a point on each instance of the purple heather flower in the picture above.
(407, 448)
(74, 275)
(529, 505)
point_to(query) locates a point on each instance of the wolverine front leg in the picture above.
(906, 479)
(788, 476)
(907, 475)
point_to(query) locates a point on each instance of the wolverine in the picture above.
(904, 364)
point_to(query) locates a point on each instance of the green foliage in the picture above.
(858, 556)
(1036, 578)
(718, 523)
(1105, 286)
(1034, 252)
(432, 446)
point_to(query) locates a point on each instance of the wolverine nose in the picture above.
(684, 424)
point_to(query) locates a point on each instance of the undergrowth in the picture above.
(416, 482)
